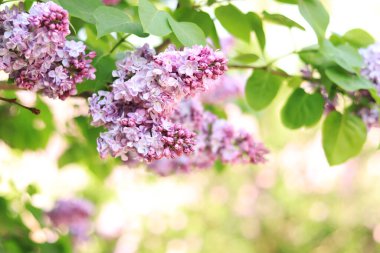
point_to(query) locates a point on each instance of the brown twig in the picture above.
(14, 101)
(5, 86)
(272, 71)
(163, 45)
(85, 94)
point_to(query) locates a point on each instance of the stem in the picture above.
(4, 86)
(281, 57)
(85, 94)
(14, 101)
(163, 45)
(272, 71)
(8, 1)
(119, 43)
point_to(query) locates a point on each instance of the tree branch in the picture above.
(163, 45)
(85, 94)
(274, 72)
(5, 86)
(14, 101)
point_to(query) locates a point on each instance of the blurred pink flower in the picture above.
(225, 88)
(111, 2)
(74, 215)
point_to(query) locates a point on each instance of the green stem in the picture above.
(281, 57)
(119, 43)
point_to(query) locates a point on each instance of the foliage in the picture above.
(330, 92)
(336, 59)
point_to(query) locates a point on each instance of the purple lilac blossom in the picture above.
(370, 116)
(371, 69)
(35, 53)
(330, 103)
(225, 88)
(73, 215)
(216, 140)
(147, 89)
(311, 87)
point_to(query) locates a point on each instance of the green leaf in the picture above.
(336, 39)
(261, 89)
(294, 81)
(257, 26)
(343, 137)
(101, 46)
(216, 110)
(302, 109)
(185, 3)
(288, 1)
(21, 129)
(83, 9)
(234, 21)
(279, 19)
(154, 21)
(219, 166)
(358, 38)
(104, 67)
(375, 95)
(82, 150)
(187, 33)
(202, 19)
(110, 19)
(347, 81)
(316, 15)
(314, 58)
(245, 58)
(28, 4)
(344, 55)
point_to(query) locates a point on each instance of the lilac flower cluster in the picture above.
(74, 215)
(216, 140)
(330, 103)
(147, 88)
(312, 87)
(371, 69)
(370, 116)
(35, 53)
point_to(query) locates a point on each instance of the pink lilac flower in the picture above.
(111, 2)
(227, 44)
(51, 17)
(330, 103)
(147, 88)
(73, 215)
(225, 88)
(370, 116)
(35, 53)
(311, 87)
(371, 69)
(216, 140)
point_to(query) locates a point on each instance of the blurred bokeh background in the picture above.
(293, 203)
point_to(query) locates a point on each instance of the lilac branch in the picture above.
(14, 101)
(5, 86)
(272, 71)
